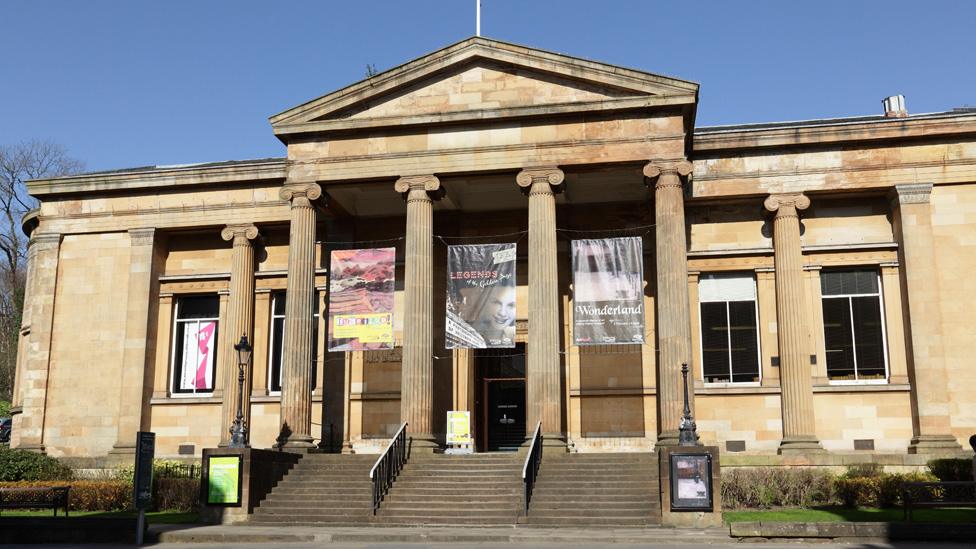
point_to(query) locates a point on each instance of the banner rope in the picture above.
(521, 234)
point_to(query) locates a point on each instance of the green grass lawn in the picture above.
(839, 514)
(155, 517)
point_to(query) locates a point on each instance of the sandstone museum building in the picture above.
(530, 237)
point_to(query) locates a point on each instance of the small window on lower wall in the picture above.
(195, 344)
(729, 333)
(854, 331)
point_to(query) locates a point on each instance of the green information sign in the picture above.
(223, 479)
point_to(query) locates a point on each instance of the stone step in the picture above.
(334, 484)
(312, 512)
(439, 491)
(434, 508)
(449, 498)
(591, 499)
(589, 513)
(446, 521)
(321, 500)
(414, 476)
(307, 504)
(311, 519)
(637, 504)
(404, 512)
(578, 522)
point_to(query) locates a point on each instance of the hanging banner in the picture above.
(198, 356)
(608, 301)
(361, 286)
(480, 296)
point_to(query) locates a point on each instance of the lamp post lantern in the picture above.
(238, 431)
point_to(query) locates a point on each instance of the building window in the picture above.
(277, 344)
(854, 333)
(194, 344)
(729, 337)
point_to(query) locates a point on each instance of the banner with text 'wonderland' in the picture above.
(608, 297)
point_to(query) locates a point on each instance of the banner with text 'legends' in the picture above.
(480, 296)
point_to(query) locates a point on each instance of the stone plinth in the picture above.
(690, 519)
(260, 471)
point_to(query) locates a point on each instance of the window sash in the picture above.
(848, 342)
(179, 353)
(276, 346)
(729, 355)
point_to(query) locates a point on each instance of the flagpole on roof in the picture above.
(477, 25)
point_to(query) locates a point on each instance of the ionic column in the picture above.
(240, 320)
(33, 388)
(673, 310)
(542, 373)
(912, 220)
(416, 390)
(796, 381)
(140, 310)
(296, 367)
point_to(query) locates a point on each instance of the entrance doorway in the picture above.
(500, 399)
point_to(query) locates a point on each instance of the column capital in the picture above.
(678, 169)
(911, 193)
(45, 240)
(142, 237)
(301, 194)
(243, 230)
(786, 204)
(546, 179)
(419, 187)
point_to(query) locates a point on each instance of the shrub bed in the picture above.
(775, 487)
(952, 469)
(88, 495)
(17, 465)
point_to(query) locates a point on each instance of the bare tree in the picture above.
(35, 159)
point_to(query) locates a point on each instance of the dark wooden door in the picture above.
(505, 421)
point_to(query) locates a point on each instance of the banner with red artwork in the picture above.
(198, 356)
(361, 288)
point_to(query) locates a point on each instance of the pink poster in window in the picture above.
(198, 356)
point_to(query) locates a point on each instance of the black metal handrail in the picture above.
(388, 466)
(532, 461)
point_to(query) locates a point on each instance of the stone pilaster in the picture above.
(673, 309)
(144, 263)
(296, 368)
(240, 321)
(33, 388)
(912, 220)
(799, 429)
(416, 390)
(23, 341)
(543, 387)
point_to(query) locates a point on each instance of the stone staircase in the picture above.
(332, 489)
(438, 489)
(595, 490)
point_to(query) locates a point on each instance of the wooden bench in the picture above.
(917, 495)
(40, 497)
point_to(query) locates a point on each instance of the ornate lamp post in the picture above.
(238, 431)
(687, 428)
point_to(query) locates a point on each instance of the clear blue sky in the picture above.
(131, 83)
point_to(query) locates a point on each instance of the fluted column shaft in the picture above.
(416, 389)
(240, 321)
(796, 381)
(543, 394)
(671, 299)
(296, 368)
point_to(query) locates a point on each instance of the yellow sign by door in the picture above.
(459, 427)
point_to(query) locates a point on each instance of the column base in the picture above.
(552, 440)
(123, 449)
(934, 444)
(424, 443)
(800, 445)
(36, 448)
(298, 443)
(667, 438)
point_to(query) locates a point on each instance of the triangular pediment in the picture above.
(481, 79)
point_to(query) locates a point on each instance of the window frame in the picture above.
(728, 337)
(175, 360)
(850, 311)
(316, 319)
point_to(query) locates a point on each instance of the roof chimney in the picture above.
(894, 106)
